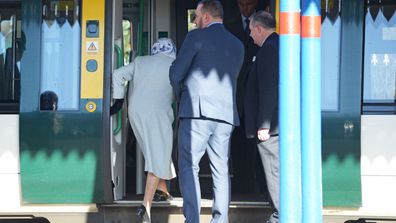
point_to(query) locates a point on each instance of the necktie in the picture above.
(247, 21)
(247, 30)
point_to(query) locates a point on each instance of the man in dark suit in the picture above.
(261, 101)
(204, 77)
(243, 151)
(239, 26)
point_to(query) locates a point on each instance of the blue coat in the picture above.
(205, 72)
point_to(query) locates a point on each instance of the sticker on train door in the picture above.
(92, 47)
(90, 106)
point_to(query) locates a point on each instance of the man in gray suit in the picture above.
(204, 77)
(261, 101)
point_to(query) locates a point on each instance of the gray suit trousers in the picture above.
(197, 136)
(269, 152)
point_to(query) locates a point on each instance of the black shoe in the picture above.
(141, 212)
(161, 196)
(274, 218)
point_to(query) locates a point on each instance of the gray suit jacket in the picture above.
(205, 73)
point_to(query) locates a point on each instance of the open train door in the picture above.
(132, 23)
(118, 122)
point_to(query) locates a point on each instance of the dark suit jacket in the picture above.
(261, 97)
(205, 72)
(235, 26)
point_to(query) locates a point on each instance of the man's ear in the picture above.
(259, 29)
(206, 17)
(209, 17)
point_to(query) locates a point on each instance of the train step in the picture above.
(171, 211)
(22, 219)
(372, 220)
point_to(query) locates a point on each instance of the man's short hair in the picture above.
(263, 19)
(48, 101)
(212, 7)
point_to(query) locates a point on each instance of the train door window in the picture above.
(190, 19)
(127, 29)
(331, 52)
(12, 44)
(379, 89)
(60, 55)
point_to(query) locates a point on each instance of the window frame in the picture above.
(377, 107)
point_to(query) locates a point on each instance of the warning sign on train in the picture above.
(92, 47)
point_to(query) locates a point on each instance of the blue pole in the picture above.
(289, 112)
(311, 114)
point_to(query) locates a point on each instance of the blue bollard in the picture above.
(289, 112)
(311, 113)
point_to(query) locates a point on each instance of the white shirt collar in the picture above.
(266, 39)
(262, 43)
(212, 23)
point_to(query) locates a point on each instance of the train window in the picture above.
(12, 44)
(331, 46)
(127, 29)
(60, 54)
(190, 19)
(379, 89)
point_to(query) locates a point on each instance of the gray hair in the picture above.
(212, 7)
(263, 19)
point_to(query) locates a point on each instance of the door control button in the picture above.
(92, 65)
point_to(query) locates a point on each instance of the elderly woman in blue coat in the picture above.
(150, 113)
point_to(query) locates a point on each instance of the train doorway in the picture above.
(161, 19)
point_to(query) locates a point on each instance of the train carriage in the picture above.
(63, 157)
